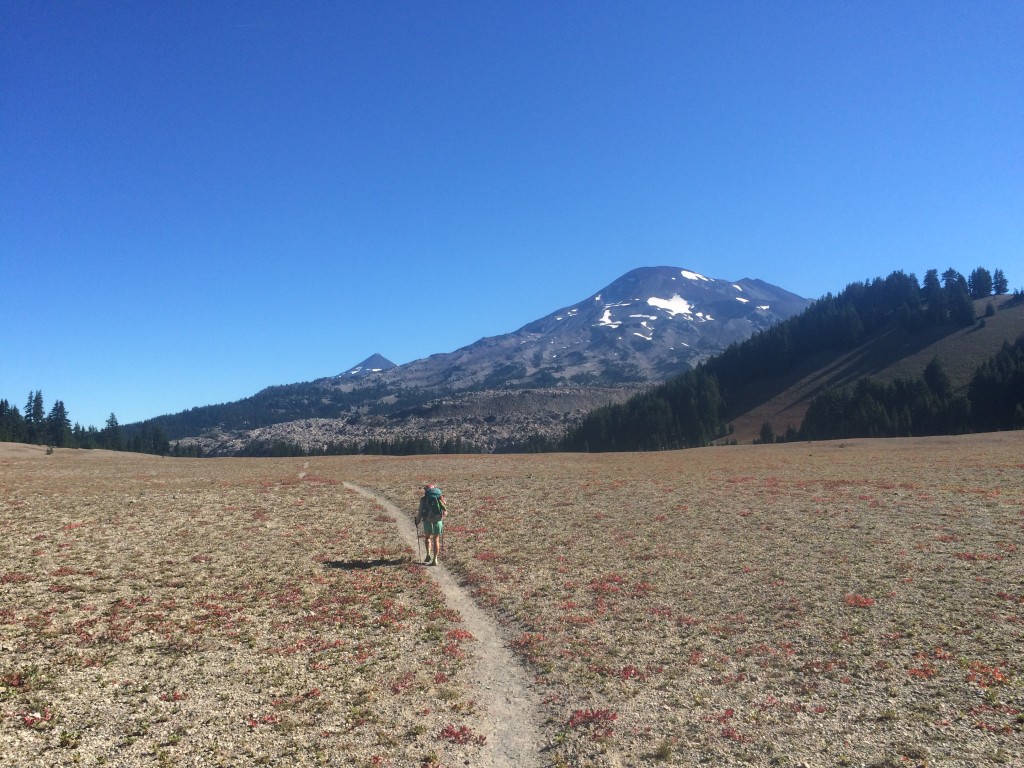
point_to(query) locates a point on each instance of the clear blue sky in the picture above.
(202, 199)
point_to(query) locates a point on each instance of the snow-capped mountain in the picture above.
(650, 324)
(539, 380)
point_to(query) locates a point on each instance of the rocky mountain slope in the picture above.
(648, 325)
(541, 379)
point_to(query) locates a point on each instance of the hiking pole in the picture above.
(444, 546)
(418, 558)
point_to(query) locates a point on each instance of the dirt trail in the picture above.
(511, 710)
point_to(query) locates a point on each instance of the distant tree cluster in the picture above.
(693, 408)
(402, 446)
(682, 413)
(925, 406)
(36, 427)
(902, 408)
(997, 391)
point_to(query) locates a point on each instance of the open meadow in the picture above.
(853, 603)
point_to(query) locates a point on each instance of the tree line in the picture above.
(284, 403)
(400, 446)
(694, 408)
(36, 426)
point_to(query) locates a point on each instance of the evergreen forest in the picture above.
(37, 427)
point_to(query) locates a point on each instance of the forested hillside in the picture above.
(696, 408)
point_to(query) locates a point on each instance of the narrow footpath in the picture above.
(510, 708)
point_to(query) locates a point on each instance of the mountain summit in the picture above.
(375, 363)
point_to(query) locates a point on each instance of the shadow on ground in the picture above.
(362, 565)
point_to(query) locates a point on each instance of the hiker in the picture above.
(431, 513)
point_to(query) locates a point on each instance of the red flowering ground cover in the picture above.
(162, 612)
(843, 603)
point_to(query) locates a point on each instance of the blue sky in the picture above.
(202, 199)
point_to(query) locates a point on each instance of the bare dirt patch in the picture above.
(846, 603)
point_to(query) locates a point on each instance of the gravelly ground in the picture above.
(847, 603)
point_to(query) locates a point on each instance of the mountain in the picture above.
(646, 326)
(375, 363)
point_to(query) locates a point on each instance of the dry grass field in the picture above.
(856, 603)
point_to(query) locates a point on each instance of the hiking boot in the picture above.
(433, 562)
(427, 560)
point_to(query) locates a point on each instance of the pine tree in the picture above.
(934, 298)
(110, 436)
(58, 426)
(979, 284)
(937, 380)
(12, 425)
(35, 418)
(1000, 285)
(958, 297)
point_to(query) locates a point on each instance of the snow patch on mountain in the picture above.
(677, 305)
(695, 276)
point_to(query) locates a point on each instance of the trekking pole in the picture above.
(418, 541)
(444, 546)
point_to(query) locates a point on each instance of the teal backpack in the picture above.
(435, 507)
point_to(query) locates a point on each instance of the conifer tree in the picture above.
(1000, 285)
(58, 426)
(979, 284)
(958, 298)
(12, 425)
(35, 418)
(934, 297)
(937, 380)
(110, 436)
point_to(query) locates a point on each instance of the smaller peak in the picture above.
(375, 363)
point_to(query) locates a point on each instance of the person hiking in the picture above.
(431, 513)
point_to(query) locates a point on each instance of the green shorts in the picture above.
(433, 527)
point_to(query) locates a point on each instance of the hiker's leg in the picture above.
(426, 540)
(432, 548)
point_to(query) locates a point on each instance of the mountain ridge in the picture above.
(647, 325)
(642, 328)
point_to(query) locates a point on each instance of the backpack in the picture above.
(435, 507)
